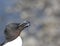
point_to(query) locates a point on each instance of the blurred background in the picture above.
(44, 16)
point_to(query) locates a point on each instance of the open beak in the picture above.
(24, 25)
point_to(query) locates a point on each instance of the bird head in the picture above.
(13, 30)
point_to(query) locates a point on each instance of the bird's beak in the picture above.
(24, 25)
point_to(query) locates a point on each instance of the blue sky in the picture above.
(5, 17)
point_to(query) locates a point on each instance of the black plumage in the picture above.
(13, 30)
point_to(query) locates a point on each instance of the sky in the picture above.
(6, 17)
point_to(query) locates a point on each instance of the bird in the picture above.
(13, 30)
